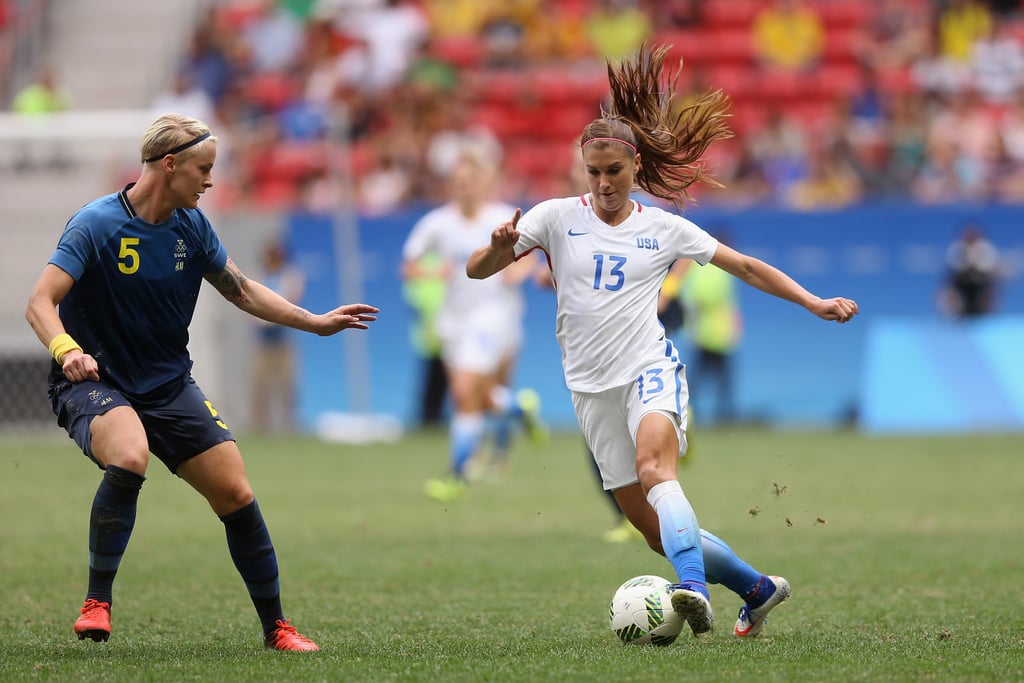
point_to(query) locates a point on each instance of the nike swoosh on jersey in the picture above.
(575, 234)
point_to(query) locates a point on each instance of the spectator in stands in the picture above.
(905, 140)
(973, 273)
(450, 131)
(184, 96)
(211, 59)
(936, 74)
(779, 146)
(43, 96)
(617, 28)
(1006, 175)
(830, 181)
(788, 35)
(678, 14)
(273, 366)
(503, 39)
(458, 18)
(895, 34)
(274, 36)
(969, 129)
(939, 180)
(393, 30)
(997, 64)
(959, 23)
(744, 181)
(113, 306)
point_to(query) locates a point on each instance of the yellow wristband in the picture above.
(61, 344)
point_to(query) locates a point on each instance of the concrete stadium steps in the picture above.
(118, 53)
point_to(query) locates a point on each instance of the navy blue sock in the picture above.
(254, 557)
(725, 567)
(110, 527)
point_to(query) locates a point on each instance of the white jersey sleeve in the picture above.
(607, 281)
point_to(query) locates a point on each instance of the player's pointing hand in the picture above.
(506, 235)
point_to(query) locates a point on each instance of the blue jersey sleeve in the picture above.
(213, 250)
(76, 249)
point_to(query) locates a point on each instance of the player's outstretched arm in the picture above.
(771, 280)
(493, 257)
(262, 302)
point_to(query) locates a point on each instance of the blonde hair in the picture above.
(671, 135)
(173, 132)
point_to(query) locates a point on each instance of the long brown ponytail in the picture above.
(670, 134)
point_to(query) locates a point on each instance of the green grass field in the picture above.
(906, 558)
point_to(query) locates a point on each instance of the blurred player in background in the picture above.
(273, 377)
(126, 275)
(480, 324)
(609, 255)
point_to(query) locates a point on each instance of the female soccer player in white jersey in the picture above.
(480, 323)
(609, 255)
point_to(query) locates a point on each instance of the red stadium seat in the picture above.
(690, 45)
(845, 13)
(738, 82)
(461, 51)
(841, 45)
(733, 13)
(731, 46)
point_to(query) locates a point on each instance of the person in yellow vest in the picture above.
(424, 293)
(43, 96)
(713, 323)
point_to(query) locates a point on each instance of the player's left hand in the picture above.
(349, 316)
(839, 309)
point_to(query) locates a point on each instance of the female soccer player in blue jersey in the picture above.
(609, 255)
(126, 275)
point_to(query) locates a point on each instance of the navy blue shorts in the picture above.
(177, 429)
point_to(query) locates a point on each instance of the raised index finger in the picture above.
(515, 218)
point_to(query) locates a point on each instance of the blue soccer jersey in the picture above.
(150, 275)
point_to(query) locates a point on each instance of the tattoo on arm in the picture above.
(229, 283)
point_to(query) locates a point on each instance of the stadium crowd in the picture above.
(834, 101)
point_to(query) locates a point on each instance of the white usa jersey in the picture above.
(607, 281)
(448, 233)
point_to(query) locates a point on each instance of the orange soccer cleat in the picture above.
(285, 637)
(94, 622)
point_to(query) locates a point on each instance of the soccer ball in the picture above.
(641, 612)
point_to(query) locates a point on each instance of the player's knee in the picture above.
(650, 471)
(130, 454)
(235, 496)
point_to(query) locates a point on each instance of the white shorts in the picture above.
(479, 343)
(609, 419)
